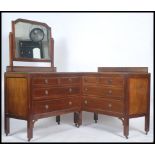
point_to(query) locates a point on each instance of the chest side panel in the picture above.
(17, 96)
(138, 95)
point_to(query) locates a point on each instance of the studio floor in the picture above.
(107, 129)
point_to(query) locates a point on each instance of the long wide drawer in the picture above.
(40, 107)
(54, 92)
(108, 105)
(109, 81)
(55, 81)
(107, 92)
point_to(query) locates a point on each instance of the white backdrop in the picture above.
(85, 41)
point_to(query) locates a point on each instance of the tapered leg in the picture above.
(75, 117)
(78, 119)
(95, 117)
(29, 129)
(7, 125)
(126, 127)
(147, 123)
(58, 119)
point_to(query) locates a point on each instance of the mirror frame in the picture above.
(13, 44)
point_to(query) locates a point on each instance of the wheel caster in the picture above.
(146, 133)
(95, 121)
(126, 137)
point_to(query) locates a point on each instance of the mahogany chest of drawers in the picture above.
(31, 96)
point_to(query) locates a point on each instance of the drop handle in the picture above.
(46, 81)
(46, 106)
(46, 92)
(70, 90)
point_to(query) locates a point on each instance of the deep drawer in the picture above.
(40, 107)
(109, 105)
(54, 92)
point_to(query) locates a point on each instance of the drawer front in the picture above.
(107, 92)
(69, 80)
(45, 81)
(55, 105)
(108, 105)
(54, 92)
(111, 81)
(88, 79)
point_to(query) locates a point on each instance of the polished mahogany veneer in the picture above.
(31, 96)
(32, 93)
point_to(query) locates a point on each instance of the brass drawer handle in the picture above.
(85, 79)
(109, 81)
(46, 92)
(110, 91)
(86, 102)
(109, 105)
(46, 81)
(70, 103)
(70, 90)
(70, 80)
(46, 106)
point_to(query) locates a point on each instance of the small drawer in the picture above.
(45, 81)
(117, 81)
(40, 107)
(69, 80)
(54, 92)
(107, 105)
(89, 79)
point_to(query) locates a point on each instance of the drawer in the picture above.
(88, 79)
(111, 81)
(54, 92)
(69, 80)
(45, 81)
(103, 91)
(39, 107)
(108, 105)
